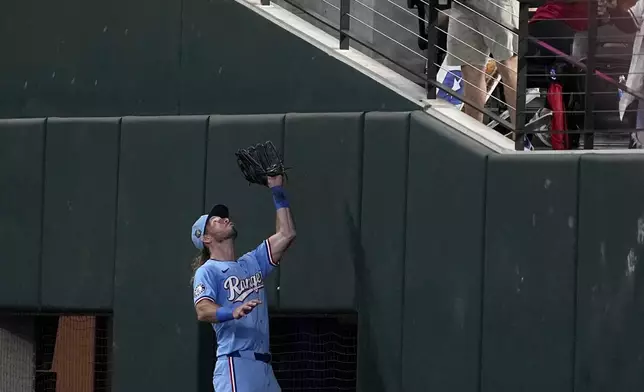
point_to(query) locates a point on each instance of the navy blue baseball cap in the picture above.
(199, 227)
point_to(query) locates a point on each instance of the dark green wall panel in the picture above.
(161, 186)
(80, 213)
(89, 58)
(325, 152)
(445, 206)
(21, 181)
(398, 217)
(380, 249)
(610, 344)
(251, 207)
(529, 284)
(236, 61)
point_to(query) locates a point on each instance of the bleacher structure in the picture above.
(380, 38)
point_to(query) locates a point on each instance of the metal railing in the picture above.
(347, 19)
(590, 79)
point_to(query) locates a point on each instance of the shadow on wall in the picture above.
(369, 355)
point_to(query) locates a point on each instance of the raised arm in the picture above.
(285, 227)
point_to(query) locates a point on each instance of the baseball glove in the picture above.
(259, 162)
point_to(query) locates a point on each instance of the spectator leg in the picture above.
(474, 88)
(509, 77)
(638, 135)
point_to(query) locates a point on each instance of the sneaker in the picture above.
(635, 143)
(527, 145)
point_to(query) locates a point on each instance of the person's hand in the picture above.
(275, 181)
(244, 309)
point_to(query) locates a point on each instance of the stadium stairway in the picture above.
(370, 67)
(408, 86)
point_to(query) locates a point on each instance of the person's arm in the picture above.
(285, 227)
(210, 312)
(205, 306)
(627, 16)
(624, 20)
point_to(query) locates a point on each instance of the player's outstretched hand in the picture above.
(244, 309)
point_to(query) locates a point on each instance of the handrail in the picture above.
(345, 34)
(432, 85)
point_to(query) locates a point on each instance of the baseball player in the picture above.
(229, 293)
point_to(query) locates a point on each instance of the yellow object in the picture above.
(490, 67)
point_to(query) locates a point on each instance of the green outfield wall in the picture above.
(470, 271)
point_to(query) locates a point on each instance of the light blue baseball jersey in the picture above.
(230, 284)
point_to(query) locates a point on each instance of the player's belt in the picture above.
(264, 357)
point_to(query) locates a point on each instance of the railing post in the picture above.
(432, 69)
(345, 7)
(591, 64)
(522, 74)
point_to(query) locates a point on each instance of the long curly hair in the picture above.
(198, 261)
